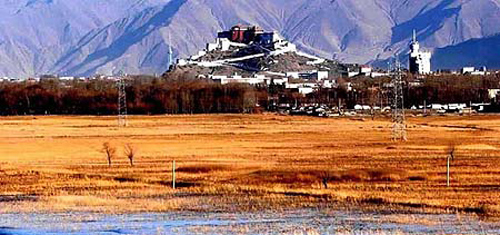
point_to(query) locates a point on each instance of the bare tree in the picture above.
(109, 151)
(325, 177)
(130, 151)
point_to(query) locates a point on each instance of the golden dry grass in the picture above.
(246, 162)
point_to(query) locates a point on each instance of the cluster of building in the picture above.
(9, 79)
(482, 71)
(63, 79)
(304, 82)
(420, 62)
(364, 70)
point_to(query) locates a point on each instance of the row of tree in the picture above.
(149, 95)
(144, 96)
(441, 89)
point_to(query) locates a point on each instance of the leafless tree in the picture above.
(130, 151)
(109, 151)
(325, 177)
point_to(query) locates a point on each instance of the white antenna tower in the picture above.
(170, 56)
(122, 100)
(398, 109)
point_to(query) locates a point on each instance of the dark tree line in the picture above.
(181, 95)
(144, 96)
(452, 89)
(430, 89)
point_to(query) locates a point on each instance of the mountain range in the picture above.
(85, 37)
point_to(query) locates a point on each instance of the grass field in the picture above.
(248, 162)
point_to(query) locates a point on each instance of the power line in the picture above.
(398, 110)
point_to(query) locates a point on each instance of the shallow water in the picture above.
(291, 222)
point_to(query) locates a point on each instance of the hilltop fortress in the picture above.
(248, 54)
(243, 37)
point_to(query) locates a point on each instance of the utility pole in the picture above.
(398, 108)
(339, 107)
(425, 108)
(380, 96)
(451, 155)
(173, 174)
(448, 171)
(470, 108)
(122, 100)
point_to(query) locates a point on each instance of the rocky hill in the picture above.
(84, 37)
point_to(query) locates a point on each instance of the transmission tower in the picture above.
(398, 109)
(122, 101)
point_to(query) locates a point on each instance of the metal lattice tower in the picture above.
(122, 101)
(398, 109)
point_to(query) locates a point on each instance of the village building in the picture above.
(308, 75)
(476, 72)
(256, 79)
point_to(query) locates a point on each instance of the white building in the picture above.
(303, 87)
(307, 75)
(365, 69)
(472, 71)
(329, 83)
(468, 70)
(493, 93)
(420, 61)
(222, 44)
(257, 79)
(379, 74)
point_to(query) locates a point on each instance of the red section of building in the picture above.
(238, 33)
(244, 34)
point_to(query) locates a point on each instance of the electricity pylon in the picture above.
(122, 100)
(398, 109)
